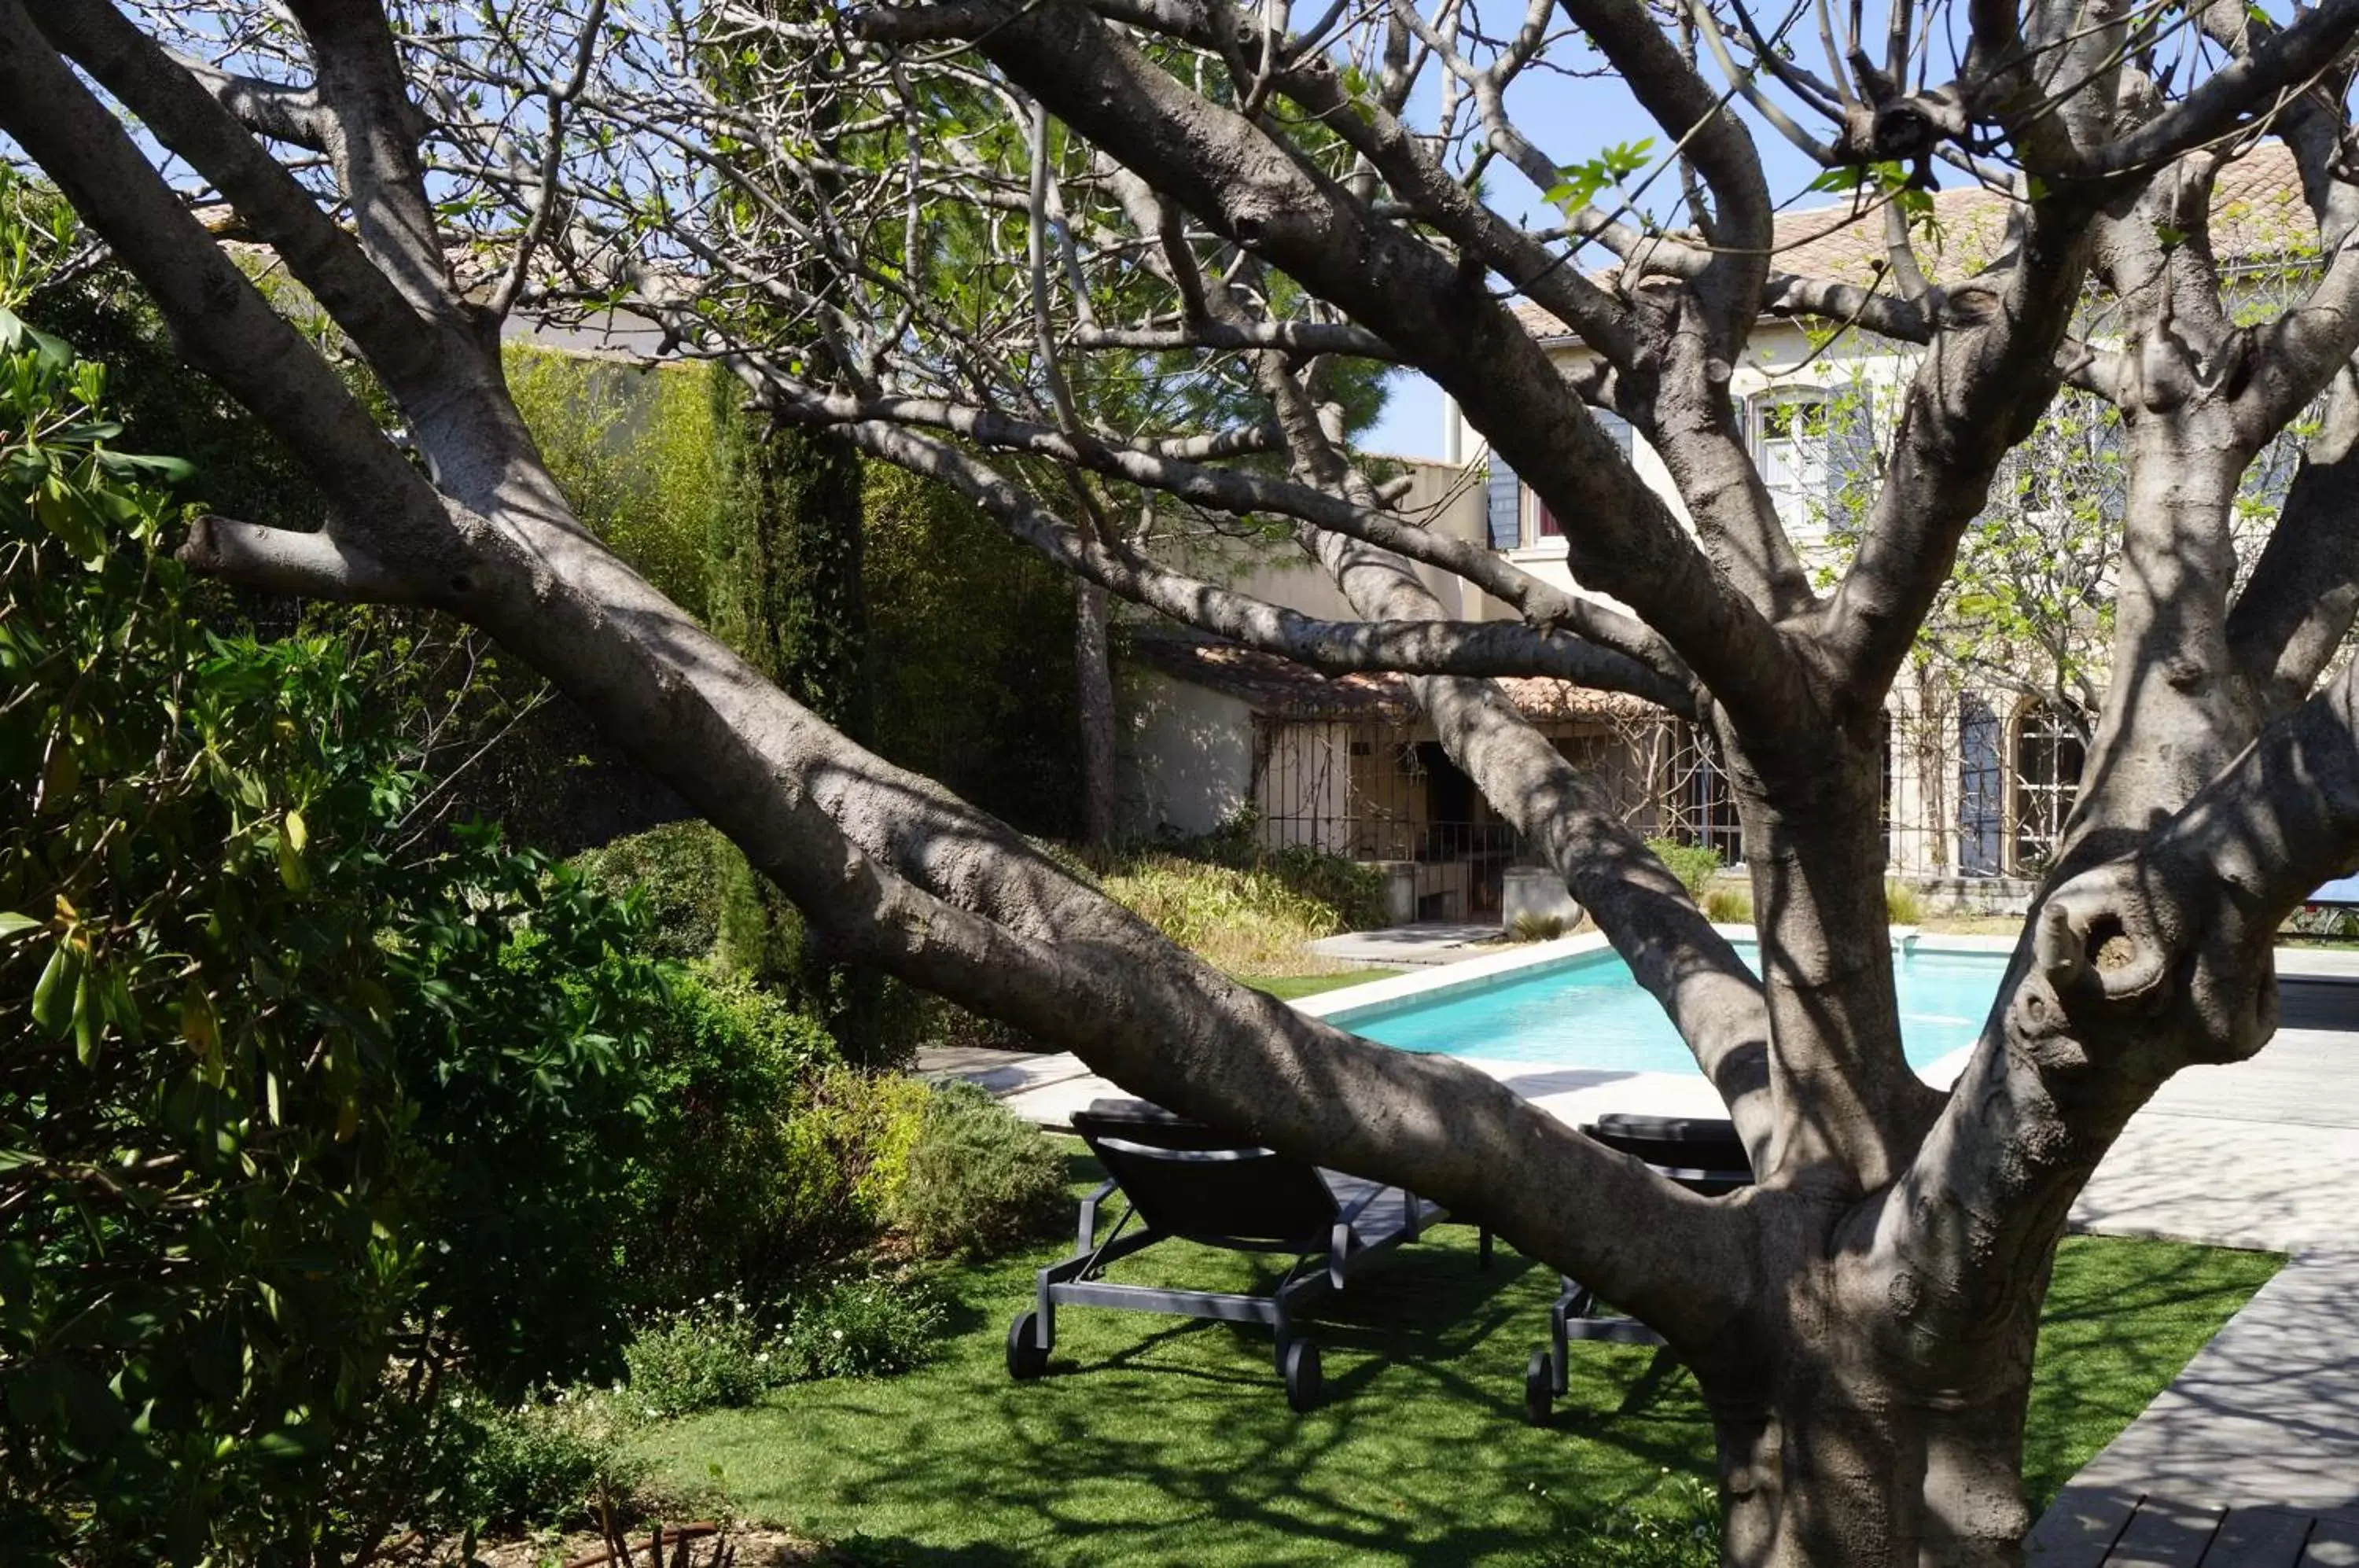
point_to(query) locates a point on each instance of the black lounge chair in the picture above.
(1184, 1179)
(1699, 1153)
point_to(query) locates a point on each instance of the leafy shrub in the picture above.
(1728, 907)
(709, 907)
(1675, 1526)
(719, 1202)
(524, 1035)
(549, 1462)
(679, 870)
(848, 1139)
(720, 1355)
(979, 1179)
(1903, 905)
(633, 451)
(1692, 864)
(862, 1328)
(345, 1080)
(1529, 927)
(714, 1356)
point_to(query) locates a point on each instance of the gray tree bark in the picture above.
(1862, 1322)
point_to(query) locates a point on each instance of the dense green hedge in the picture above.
(286, 1097)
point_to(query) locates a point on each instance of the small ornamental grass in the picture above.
(1728, 907)
(1903, 905)
(1529, 927)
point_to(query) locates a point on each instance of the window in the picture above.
(2049, 755)
(1540, 530)
(1790, 432)
(1884, 780)
(1981, 804)
(1543, 524)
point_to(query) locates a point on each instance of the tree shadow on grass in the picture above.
(2122, 1318)
(1170, 1441)
(1163, 1441)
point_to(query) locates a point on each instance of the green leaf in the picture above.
(53, 992)
(294, 1441)
(135, 465)
(197, 1024)
(85, 1018)
(12, 923)
(65, 514)
(292, 870)
(55, 353)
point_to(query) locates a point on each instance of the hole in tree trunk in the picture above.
(2110, 947)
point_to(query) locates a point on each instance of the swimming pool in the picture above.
(1587, 1010)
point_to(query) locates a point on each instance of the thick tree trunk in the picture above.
(1818, 900)
(1868, 1474)
(2181, 709)
(1852, 1436)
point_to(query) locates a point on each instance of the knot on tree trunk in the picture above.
(2124, 962)
(2099, 950)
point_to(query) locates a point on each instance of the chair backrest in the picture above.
(1189, 1179)
(1698, 1152)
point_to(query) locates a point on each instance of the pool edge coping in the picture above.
(1469, 974)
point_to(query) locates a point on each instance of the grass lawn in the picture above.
(1287, 988)
(1161, 1441)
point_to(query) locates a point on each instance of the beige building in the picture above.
(1980, 772)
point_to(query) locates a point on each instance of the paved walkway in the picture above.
(1426, 941)
(2262, 1426)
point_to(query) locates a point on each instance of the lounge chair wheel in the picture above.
(1539, 1388)
(1302, 1377)
(1026, 1359)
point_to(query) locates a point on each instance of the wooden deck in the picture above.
(2128, 1529)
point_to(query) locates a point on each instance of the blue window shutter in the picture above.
(1617, 430)
(1506, 502)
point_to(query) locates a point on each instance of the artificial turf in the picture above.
(1287, 988)
(1161, 1441)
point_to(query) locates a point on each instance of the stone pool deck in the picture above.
(2260, 1433)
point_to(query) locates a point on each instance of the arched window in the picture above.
(2048, 756)
(1981, 800)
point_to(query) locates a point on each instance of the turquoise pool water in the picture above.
(1591, 1012)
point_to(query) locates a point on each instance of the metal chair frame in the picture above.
(1320, 1264)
